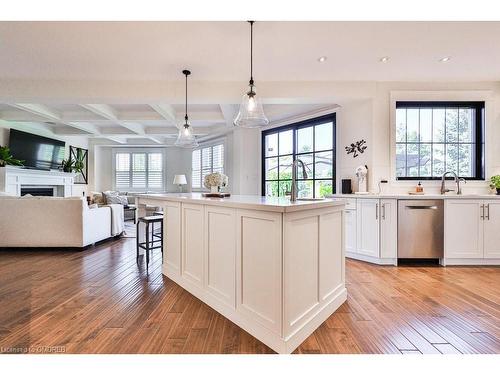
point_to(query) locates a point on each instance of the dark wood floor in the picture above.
(100, 301)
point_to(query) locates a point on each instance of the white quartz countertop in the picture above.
(424, 196)
(256, 202)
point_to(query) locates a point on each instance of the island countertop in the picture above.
(253, 202)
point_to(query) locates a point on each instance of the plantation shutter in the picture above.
(122, 168)
(139, 170)
(218, 158)
(196, 170)
(155, 171)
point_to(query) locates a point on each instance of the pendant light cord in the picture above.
(251, 52)
(186, 116)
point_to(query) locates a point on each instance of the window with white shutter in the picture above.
(205, 161)
(140, 170)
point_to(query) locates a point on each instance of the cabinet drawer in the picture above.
(350, 204)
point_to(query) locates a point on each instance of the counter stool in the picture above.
(149, 244)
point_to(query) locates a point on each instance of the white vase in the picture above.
(214, 189)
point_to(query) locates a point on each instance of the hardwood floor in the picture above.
(100, 301)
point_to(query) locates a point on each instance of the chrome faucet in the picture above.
(294, 191)
(457, 181)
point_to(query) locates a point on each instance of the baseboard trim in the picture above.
(374, 260)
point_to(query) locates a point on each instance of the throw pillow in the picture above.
(116, 199)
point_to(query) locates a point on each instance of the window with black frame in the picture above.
(313, 142)
(435, 137)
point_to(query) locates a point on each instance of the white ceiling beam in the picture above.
(44, 128)
(52, 116)
(167, 112)
(229, 112)
(107, 112)
(118, 140)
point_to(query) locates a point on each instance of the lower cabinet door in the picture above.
(492, 229)
(192, 242)
(220, 253)
(350, 231)
(388, 228)
(172, 236)
(463, 228)
(368, 216)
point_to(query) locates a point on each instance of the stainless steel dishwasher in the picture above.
(420, 229)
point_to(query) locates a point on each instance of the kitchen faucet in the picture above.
(457, 181)
(294, 191)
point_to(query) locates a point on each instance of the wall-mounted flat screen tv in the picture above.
(36, 151)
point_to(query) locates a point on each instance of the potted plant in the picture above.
(67, 165)
(495, 183)
(6, 158)
(79, 163)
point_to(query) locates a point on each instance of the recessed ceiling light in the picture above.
(445, 59)
(384, 59)
(322, 59)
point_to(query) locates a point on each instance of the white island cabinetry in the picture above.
(274, 268)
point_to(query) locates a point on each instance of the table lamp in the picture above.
(180, 179)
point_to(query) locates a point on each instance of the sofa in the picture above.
(55, 222)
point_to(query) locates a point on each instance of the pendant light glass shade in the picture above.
(186, 138)
(251, 113)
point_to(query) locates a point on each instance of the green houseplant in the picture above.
(495, 183)
(67, 165)
(6, 158)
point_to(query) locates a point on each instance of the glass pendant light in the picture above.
(186, 137)
(251, 114)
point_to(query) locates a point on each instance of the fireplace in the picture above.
(38, 191)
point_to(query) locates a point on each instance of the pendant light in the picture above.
(186, 137)
(251, 114)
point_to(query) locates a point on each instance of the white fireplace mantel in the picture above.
(13, 178)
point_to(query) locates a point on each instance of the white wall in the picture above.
(82, 142)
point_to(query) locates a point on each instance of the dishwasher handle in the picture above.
(421, 207)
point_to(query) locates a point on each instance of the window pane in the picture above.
(286, 142)
(452, 158)
(451, 124)
(323, 188)
(305, 139)
(425, 160)
(437, 160)
(401, 125)
(122, 162)
(412, 160)
(465, 125)
(401, 160)
(412, 124)
(305, 189)
(323, 137)
(465, 161)
(425, 125)
(284, 187)
(122, 167)
(206, 158)
(323, 165)
(438, 121)
(308, 162)
(272, 189)
(285, 167)
(271, 145)
(272, 169)
(196, 169)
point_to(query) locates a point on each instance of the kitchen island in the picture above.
(274, 268)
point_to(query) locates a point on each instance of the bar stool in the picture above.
(149, 244)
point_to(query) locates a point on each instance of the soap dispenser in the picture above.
(419, 188)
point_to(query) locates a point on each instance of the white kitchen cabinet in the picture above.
(463, 228)
(368, 233)
(389, 229)
(491, 229)
(350, 231)
(172, 236)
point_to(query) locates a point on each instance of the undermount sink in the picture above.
(310, 199)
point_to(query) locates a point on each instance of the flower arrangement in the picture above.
(215, 181)
(495, 183)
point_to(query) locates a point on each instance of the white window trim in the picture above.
(214, 142)
(465, 95)
(148, 150)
